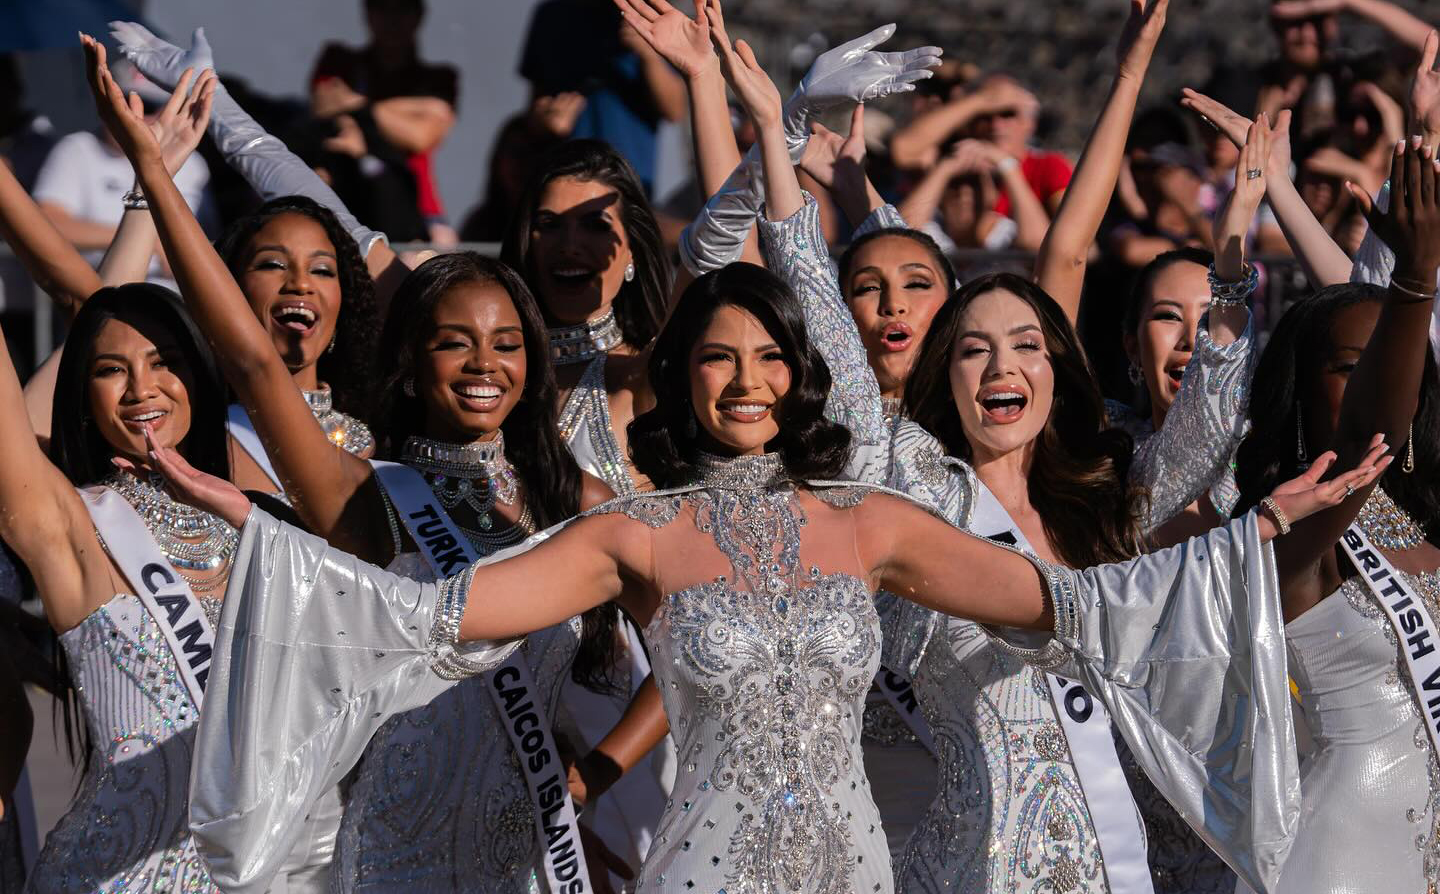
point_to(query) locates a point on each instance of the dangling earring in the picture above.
(630, 272)
(331, 347)
(1136, 377)
(408, 387)
(1409, 465)
(1300, 436)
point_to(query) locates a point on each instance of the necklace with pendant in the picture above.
(478, 476)
(345, 432)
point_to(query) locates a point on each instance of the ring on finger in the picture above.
(1254, 174)
(1349, 491)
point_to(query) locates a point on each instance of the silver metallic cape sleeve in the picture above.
(1194, 446)
(315, 650)
(1186, 649)
(796, 251)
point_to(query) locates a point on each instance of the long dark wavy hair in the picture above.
(80, 452)
(937, 257)
(534, 446)
(1298, 349)
(640, 304)
(76, 445)
(348, 368)
(811, 446)
(1079, 477)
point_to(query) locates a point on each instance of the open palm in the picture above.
(1425, 91)
(680, 40)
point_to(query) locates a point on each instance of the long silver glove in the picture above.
(270, 168)
(850, 73)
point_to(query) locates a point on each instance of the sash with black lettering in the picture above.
(243, 431)
(159, 587)
(899, 691)
(1411, 620)
(1092, 745)
(511, 685)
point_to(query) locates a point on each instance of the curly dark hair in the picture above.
(641, 303)
(349, 369)
(535, 447)
(1079, 477)
(920, 238)
(1298, 350)
(76, 445)
(811, 446)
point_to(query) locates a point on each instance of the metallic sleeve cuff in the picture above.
(886, 217)
(1057, 648)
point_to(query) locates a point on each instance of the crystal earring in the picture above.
(1136, 377)
(1300, 435)
(408, 387)
(331, 347)
(630, 272)
(1409, 464)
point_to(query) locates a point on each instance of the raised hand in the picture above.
(124, 118)
(680, 40)
(1141, 34)
(557, 114)
(158, 59)
(1236, 128)
(856, 72)
(182, 122)
(1425, 92)
(756, 92)
(1233, 223)
(1410, 226)
(829, 156)
(1302, 497)
(190, 485)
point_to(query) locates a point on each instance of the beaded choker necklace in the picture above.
(577, 344)
(192, 539)
(344, 431)
(892, 406)
(741, 472)
(477, 475)
(1387, 525)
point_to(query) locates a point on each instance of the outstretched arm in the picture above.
(320, 478)
(1402, 26)
(1060, 267)
(50, 259)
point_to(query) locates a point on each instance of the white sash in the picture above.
(899, 691)
(243, 431)
(1086, 723)
(1410, 619)
(511, 686)
(163, 592)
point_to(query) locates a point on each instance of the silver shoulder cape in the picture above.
(314, 652)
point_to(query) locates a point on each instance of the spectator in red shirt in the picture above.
(1001, 112)
(394, 102)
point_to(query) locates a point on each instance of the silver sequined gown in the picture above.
(1010, 814)
(1370, 787)
(439, 802)
(126, 829)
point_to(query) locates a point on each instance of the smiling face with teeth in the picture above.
(290, 276)
(738, 380)
(578, 249)
(1001, 377)
(471, 371)
(894, 290)
(138, 376)
(1164, 337)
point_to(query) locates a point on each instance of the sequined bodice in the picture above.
(586, 426)
(127, 828)
(439, 802)
(1010, 815)
(1370, 786)
(764, 671)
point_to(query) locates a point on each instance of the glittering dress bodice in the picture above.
(127, 828)
(1010, 815)
(585, 425)
(1369, 787)
(439, 802)
(763, 660)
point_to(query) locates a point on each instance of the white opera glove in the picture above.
(850, 73)
(270, 168)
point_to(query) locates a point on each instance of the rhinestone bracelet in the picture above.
(1232, 294)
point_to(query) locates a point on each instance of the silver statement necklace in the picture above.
(1387, 525)
(741, 472)
(577, 344)
(345, 432)
(192, 539)
(891, 407)
(477, 475)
